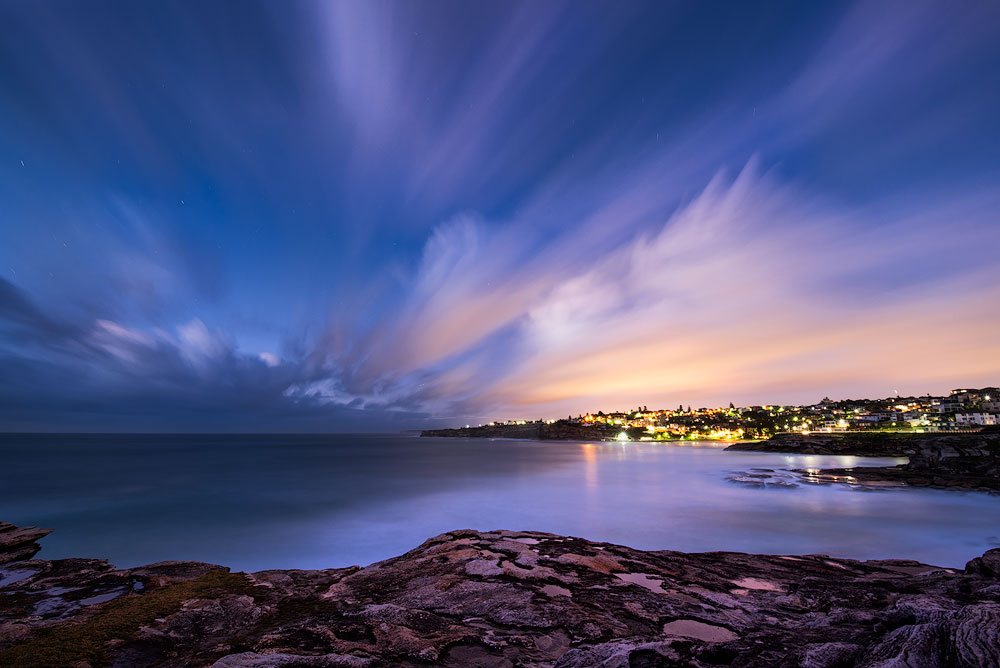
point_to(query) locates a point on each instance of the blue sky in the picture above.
(375, 215)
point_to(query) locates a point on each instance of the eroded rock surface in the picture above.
(19, 543)
(502, 599)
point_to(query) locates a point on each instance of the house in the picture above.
(976, 419)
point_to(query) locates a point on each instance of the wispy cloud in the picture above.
(349, 213)
(750, 287)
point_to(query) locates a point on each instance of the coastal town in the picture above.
(963, 409)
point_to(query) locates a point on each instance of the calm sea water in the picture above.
(256, 502)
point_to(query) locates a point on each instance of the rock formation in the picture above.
(560, 430)
(957, 461)
(502, 599)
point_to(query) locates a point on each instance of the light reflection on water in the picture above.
(324, 501)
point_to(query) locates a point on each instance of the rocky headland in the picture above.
(966, 461)
(560, 430)
(500, 599)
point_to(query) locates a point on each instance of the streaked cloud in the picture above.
(340, 215)
(753, 286)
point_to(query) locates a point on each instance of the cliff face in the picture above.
(960, 461)
(503, 599)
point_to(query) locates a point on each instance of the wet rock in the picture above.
(765, 478)
(650, 582)
(692, 628)
(967, 461)
(757, 583)
(253, 660)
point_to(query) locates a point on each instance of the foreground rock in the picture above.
(19, 543)
(500, 599)
(949, 461)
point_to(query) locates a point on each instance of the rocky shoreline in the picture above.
(500, 599)
(560, 430)
(969, 461)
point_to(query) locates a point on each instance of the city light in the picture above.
(961, 410)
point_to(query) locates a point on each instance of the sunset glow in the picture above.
(323, 221)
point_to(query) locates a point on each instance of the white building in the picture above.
(976, 419)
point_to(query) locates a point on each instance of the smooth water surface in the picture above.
(256, 502)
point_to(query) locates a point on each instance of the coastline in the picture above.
(941, 460)
(558, 431)
(536, 431)
(965, 462)
(500, 598)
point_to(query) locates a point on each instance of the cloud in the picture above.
(359, 214)
(751, 286)
(22, 318)
(270, 359)
(56, 375)
(756, 285)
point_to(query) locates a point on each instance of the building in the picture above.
(976, 419)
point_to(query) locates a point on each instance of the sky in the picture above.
(373, 216)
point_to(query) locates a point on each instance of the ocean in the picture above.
(321, 501)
